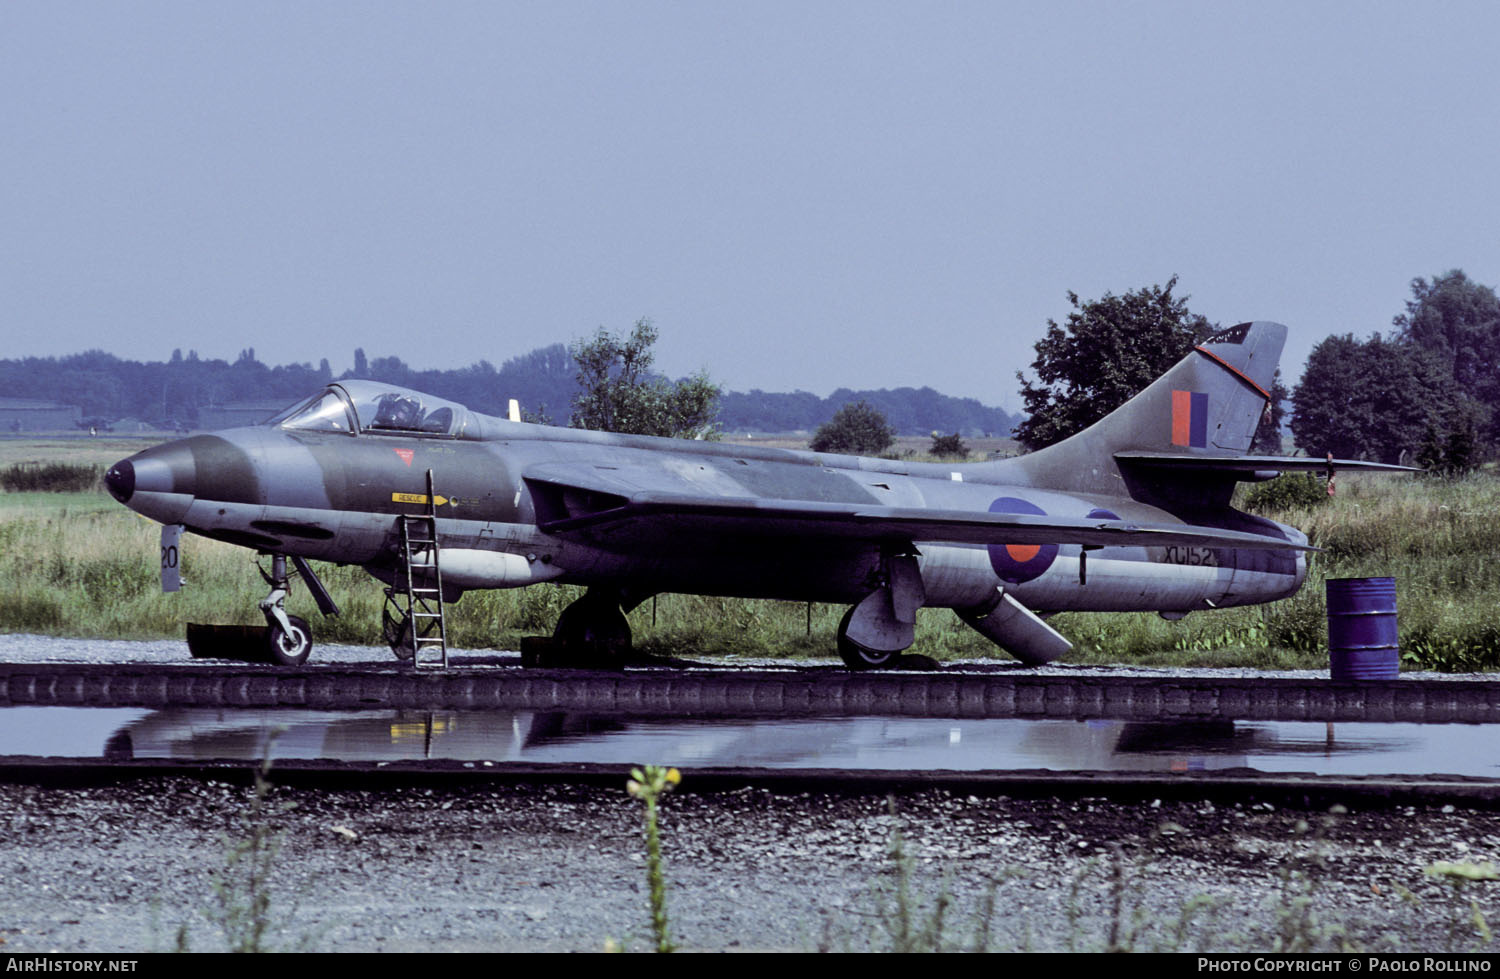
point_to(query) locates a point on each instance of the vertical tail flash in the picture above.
(1209, 404)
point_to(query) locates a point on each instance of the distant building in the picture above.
(23, 415)
(237, 414)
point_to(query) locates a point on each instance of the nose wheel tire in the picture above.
(857, 657)
(289, 648)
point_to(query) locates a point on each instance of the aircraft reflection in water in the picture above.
(501, 737)
(850, 743)
(1131, 515)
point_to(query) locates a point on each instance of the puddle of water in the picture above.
(857, 743)
(66, 732)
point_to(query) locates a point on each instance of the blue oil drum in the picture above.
(1362, 641)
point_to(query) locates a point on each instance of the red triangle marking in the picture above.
(406, 455)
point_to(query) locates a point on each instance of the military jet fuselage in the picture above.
(1132, 514)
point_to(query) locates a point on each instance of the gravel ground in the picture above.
(529, 867)
(555, 868)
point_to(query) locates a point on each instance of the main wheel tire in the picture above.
(592, 622)
(857, 657)
(289, 648)
(591, 626)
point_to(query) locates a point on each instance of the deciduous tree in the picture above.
(1458, 320)
(617, 391)
(1374, 399)
(1109, 351)
(949, 446)
(855, 429)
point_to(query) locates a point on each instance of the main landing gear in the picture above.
(860, 657)
(593, 628)
(395, 626)
(873, 634)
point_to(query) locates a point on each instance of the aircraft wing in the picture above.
(1253, 464)
(620, 515)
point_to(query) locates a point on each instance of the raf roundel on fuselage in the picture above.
(1017, 563)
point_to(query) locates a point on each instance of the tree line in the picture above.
(546, 381)
(169, 394)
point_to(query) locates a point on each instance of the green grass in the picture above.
(79, 564)
(102, 452)
(81, 501)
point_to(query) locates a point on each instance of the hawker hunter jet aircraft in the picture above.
(434, 499)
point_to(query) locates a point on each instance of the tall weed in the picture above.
(49, 477)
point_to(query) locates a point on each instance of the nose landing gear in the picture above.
(288, 638)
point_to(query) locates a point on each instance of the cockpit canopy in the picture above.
(371, 407)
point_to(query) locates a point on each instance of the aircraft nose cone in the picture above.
(120, 480)
(169, 468)
(158, 483)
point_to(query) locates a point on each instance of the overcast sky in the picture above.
(800, 195)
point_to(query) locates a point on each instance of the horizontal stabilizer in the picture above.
(1251, 464)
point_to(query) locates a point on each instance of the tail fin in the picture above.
(1208, 405)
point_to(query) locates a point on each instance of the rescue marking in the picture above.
(416, 498)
